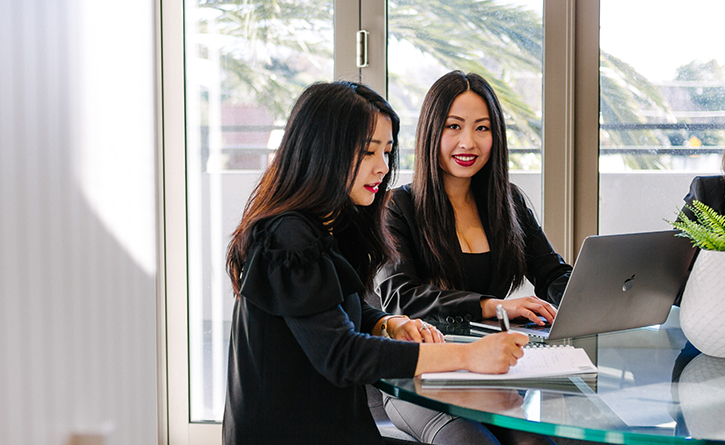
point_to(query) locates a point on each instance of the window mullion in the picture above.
(571, 108)
(347, 23)
(586, 151)
(373, 18)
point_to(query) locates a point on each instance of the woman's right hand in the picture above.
(527, 307)
(496, 353)
(493, 354)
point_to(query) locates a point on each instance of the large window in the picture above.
(245, 64)
(233, 68)
(662, 107)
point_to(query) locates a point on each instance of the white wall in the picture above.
(78, 248)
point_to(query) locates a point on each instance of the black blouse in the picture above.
(404, 287)
(299, 351)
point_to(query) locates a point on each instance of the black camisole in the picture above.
(477, 272)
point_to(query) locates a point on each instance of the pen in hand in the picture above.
(503, 318)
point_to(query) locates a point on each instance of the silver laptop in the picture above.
(618, 282)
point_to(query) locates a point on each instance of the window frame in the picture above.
(569, 156)
(570, 153)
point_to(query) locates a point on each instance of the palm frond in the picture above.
(268, 48)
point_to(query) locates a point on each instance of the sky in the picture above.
(658, 36)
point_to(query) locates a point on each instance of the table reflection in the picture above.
(492, 400)
(700, 394)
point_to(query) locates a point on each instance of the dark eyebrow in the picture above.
(376, 141)
(453, 116)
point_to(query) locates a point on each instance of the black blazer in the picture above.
(404, 287)
(709, 190)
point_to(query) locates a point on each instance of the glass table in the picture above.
(652, 387)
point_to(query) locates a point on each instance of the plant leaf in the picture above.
(707, 231)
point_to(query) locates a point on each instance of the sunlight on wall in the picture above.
(118, 129)
(78, 272)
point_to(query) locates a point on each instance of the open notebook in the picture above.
(548, 362)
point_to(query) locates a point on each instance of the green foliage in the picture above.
(624, 94)
(496, 41)
(707, 231)
(269, 43)
(269, 50)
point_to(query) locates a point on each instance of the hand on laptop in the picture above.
(525, 307)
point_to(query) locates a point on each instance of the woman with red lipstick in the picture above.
(465, 237)
(303, 341)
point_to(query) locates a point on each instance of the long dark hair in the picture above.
(491, 188)
(313, 172)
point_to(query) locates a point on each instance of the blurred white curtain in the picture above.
(78, 222)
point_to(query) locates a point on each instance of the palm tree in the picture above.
(274, 48)
(495, 41)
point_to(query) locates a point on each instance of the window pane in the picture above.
(500, 40)
(245, 64)
(662, 84)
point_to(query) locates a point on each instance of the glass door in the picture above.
(239, 65)
(245, 63)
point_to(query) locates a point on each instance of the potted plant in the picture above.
(702, 309)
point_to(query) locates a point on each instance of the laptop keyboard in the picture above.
(534, 326)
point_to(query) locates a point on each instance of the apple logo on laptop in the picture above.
(628, 284)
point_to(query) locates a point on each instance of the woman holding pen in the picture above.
(466, 238)
(312, 236)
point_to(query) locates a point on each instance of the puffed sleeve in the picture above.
(292, 269)
(401, 285)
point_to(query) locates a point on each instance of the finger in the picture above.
(512, 360)
(545, 310)
(541, 310)
(518, 338)
(438, 336)
(427, 335)
(435, 335)
(519, 307)
(548, 311)
(517, 353)
(413, 332)
(426, 332)
(530, 315)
